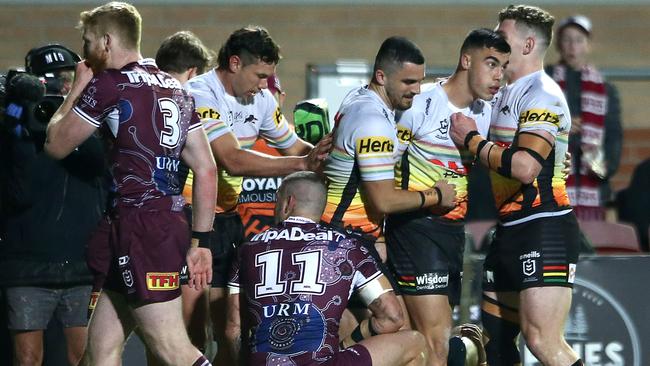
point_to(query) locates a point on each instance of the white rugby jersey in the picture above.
(364, 150)
(534, 102)
(221, 113)
(431, 155)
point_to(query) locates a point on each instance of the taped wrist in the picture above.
(506, 163)
(201, 239)
(469, 137)
(363, 330)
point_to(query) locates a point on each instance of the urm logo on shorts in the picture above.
(162, 281)
(374, 144)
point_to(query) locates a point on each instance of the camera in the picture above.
(33, 95)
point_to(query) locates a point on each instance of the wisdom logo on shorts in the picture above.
(162, 281)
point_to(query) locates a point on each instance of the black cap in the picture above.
(52, 57)
(580, 21)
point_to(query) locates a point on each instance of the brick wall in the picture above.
(323, 34)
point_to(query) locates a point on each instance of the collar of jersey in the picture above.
(299, 220)
(147, 62)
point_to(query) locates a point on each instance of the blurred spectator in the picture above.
(50, 208)
(596, 137)
(634, 203)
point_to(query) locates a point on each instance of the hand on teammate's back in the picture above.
(199, 264)
(319, 153)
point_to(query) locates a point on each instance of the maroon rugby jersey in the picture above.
(149, 116)
(296, 279)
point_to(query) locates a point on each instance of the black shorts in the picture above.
(425, 254)
(227, 236)
(537, 253)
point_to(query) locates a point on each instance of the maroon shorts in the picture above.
(356, 355)
(139, 253)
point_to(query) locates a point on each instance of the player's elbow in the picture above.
(53, 151)
(391, 322)
(207, 171)
(525, 169)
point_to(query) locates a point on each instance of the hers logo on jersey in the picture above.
(207, 113)
(374, 144)
(162, 281)
(539, 115)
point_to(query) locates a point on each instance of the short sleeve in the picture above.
(98, 100)
(206, 107)
(373, 142)
(543, 113)
(275, 128)
(233, 278)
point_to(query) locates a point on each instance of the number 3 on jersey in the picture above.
(307, 284)
(171, 118)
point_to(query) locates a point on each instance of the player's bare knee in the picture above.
(415, 341)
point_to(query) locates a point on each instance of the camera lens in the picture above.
(46, 108)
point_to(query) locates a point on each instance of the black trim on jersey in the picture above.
(405, 167)
(545, 182)
(347, 195)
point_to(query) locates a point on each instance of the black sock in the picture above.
(578, 363)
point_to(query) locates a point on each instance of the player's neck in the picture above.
(121, 58)
(458, 91)
(226, 80)
(525, 69)
(381, 92)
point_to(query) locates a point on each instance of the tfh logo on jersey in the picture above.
(375, 144)
(539, 115)
(162, 281)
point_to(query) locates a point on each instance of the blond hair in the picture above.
(120, 18)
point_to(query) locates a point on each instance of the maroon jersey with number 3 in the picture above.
(149, 116)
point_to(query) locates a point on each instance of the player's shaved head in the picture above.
(301, 194)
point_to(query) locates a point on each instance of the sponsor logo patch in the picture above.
(404, 134)
(207, 113)
(539, 115)
(432, 281)
(162, 281)
(374, 144)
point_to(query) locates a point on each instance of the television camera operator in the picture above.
(48, 210)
